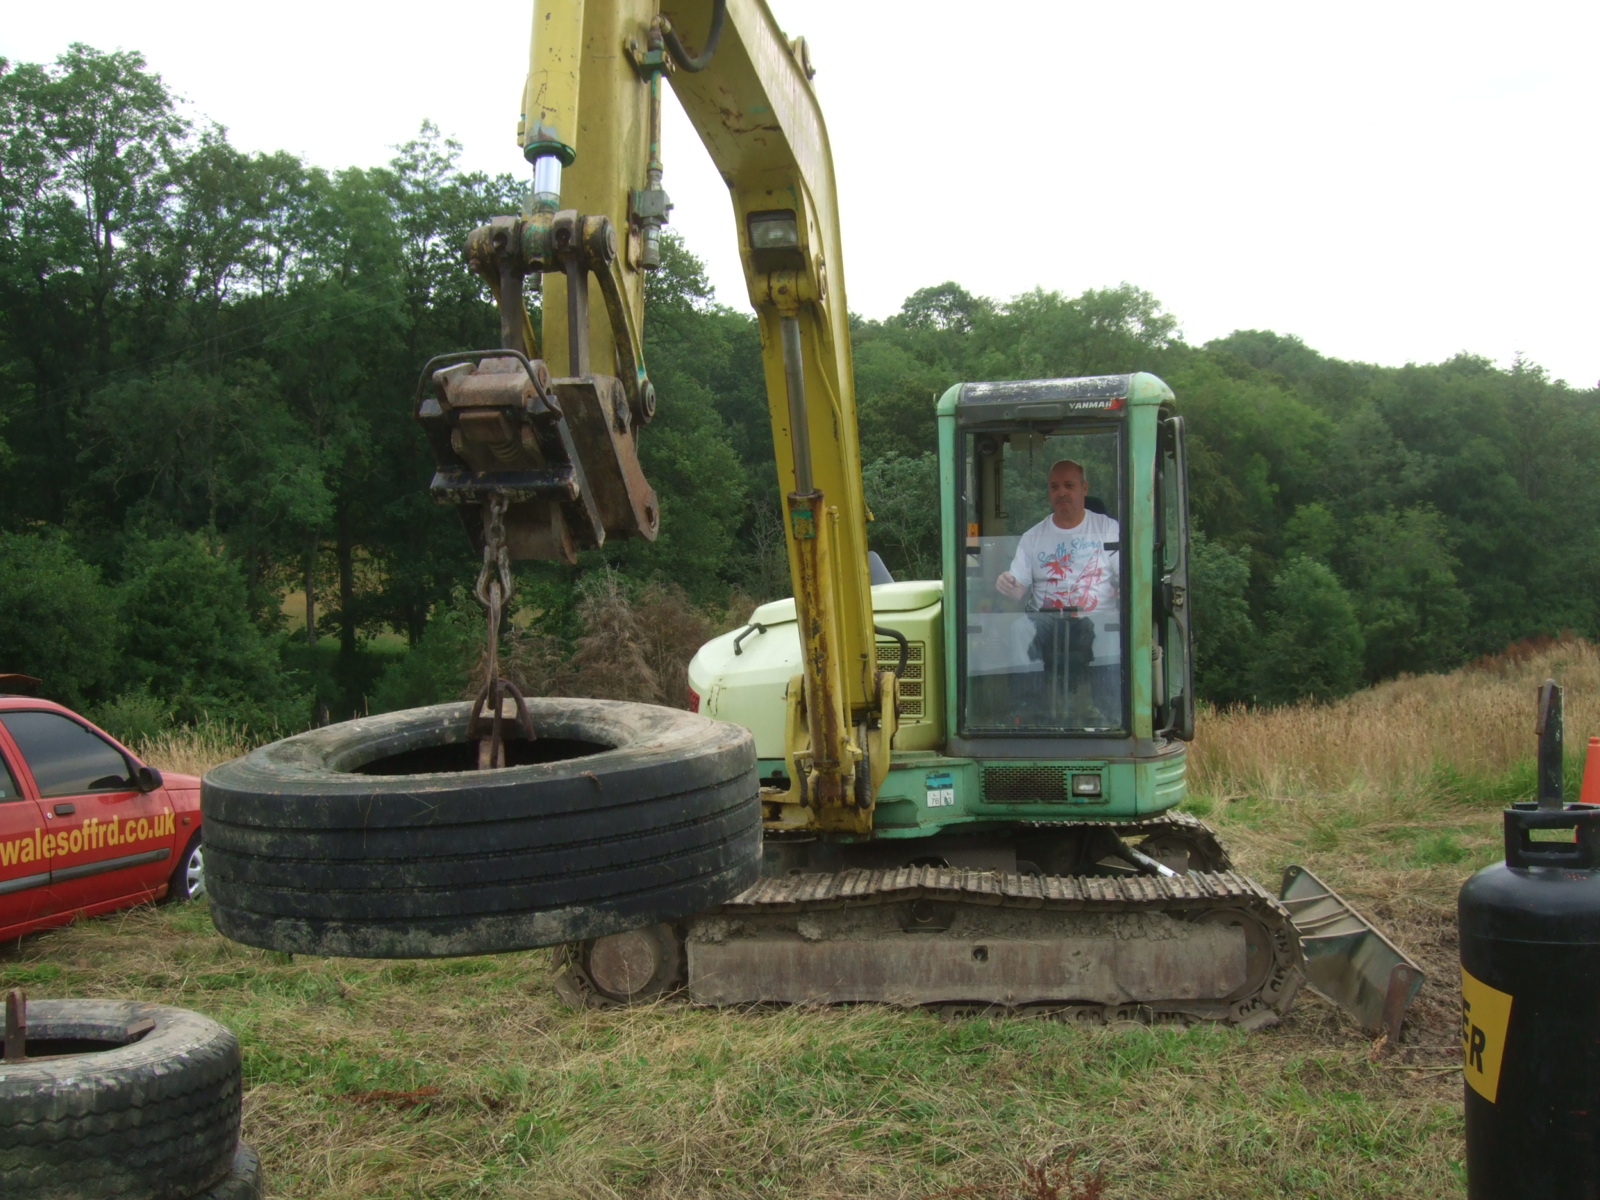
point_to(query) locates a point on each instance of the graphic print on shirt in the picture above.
(1071, 588)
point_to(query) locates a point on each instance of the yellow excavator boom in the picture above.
(550, 432)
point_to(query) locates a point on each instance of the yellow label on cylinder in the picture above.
(1485, 1017)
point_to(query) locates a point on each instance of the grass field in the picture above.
(465, 1078)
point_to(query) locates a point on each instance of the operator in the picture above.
(1063, 567)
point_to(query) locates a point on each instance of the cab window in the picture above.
(1044, 590)
(66, 759)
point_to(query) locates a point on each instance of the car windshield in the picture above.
(1045, 606)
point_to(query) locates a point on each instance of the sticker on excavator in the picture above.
(941, 789)
(1485, 1017)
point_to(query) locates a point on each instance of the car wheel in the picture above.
(374, 839)
(136, 1102)
(243, 1180)
(188, 880)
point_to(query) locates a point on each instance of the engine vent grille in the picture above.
(912, 682)
(1026, 785)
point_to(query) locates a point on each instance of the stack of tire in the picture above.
(122, 1100)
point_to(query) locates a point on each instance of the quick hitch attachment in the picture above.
(562, 452)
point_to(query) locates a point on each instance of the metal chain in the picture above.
(496, 553)
(493, 589)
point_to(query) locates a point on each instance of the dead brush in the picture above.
(1042, 1180)
(635, 646)
(529, 658)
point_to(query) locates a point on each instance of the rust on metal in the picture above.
(406, 1099)
(833, 760)
(562, 452)
(1404, 980)
(16, 1025)
(619, 969)
(494, 589)
(1348, 960)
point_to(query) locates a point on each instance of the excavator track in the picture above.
(1197, 947)
(1177, 835)
(1179, 840)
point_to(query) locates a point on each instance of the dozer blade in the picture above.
(1347, 960)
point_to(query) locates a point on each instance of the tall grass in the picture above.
(194, 750)
(1474, 724)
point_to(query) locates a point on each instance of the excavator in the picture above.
(970, 788)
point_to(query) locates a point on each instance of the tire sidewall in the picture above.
(307, 855)
(316, 772)
(173, 1096)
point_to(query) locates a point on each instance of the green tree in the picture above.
(1254, 446)
(87, 148)
(58, 621)
(686, 452)
(1316, 533)
(1225, 638)
(1413, 615)
(1045, 335)
(439, 666)
(1311, 646)
(215, 451)
(903, 495)
(895, 397)
(189, 639)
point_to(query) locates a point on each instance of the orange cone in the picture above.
(1591, 774)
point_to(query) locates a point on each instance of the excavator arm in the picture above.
(546, 435)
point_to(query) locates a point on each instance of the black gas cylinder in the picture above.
(1530, 1009)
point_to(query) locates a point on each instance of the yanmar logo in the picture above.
(93, 834)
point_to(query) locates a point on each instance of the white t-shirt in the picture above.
(1071, 568)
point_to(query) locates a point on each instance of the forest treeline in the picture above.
(208, 361)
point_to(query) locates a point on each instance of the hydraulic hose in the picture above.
(680, 52)
(905, 647)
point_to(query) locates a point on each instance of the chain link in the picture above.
(493, 594)
(496, 553)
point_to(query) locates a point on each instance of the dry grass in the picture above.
(194, 751)
(1394, 795)
(465, 1078)
(1391, 737)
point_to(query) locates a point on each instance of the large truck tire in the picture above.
(115, 1114)
(372, 839)
(243, 1180)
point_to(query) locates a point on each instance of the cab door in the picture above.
(110, 842)
(1175, 682)
(24, 867)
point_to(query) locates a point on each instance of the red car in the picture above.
(85, 827)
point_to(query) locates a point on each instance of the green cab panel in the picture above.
(926, 794)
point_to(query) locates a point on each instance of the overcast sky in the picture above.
(1390, 182)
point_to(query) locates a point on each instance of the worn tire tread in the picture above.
(307, 855)
(243, 1180)
(156, 1119)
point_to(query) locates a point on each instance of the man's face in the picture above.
(1067, 490)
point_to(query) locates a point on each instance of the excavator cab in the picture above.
(1067, 578)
